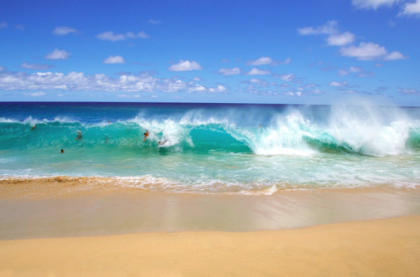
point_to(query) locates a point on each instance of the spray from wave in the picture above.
(354, 129)
(211, 148)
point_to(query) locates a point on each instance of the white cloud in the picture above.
(327, 29)
(334, 38)
(412, 8)
(35, 66)
(140, 34)
(257, 71)
(338, 84)
(292, 93)
(254, 84)
(185, 66)
(373, 4)
(197, 88)
(370, 51)
(356, 71)
(218, 88)
(230, 71)
(78, 81)
(394, 56)
(36, 94)
(287, 77)
(58, 54)
(171, 85)
(340, 39)
(114, 60)
(111, 36)
(365, 51)
(255, 81)
(3, 25)
(63, 30)
(201, 88)
(261, 61)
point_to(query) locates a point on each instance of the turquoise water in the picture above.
(214, 147)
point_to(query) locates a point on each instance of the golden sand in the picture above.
(68, 226)
(386, 247)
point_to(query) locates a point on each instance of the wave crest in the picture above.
(358, 129)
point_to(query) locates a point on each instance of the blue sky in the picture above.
(309, 52)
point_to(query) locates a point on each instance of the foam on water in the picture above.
(351, 129)
(257, 149)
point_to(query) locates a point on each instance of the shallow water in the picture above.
(248, 149)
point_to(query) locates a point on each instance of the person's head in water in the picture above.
(62, 151)
(33, 127)
(79, 135)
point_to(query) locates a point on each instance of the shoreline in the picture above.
(384, 247)
(63, 207)
(53, 186)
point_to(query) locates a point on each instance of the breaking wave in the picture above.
(344, 129)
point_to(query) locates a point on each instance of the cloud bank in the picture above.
(78, 81)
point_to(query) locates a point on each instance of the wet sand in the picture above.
(57, 207)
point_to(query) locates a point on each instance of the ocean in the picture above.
(214, 148)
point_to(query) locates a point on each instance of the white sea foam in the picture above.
(292, 149)
(362, 126)
(34, 121)
(284, 136)
(370, 129)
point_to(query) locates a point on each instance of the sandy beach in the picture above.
(77, 226)
(389, 247)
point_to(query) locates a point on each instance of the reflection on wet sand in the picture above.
(57, 209)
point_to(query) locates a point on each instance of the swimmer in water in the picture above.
(79, 135)
(162, 142)
(62, 151)
(146, 135)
